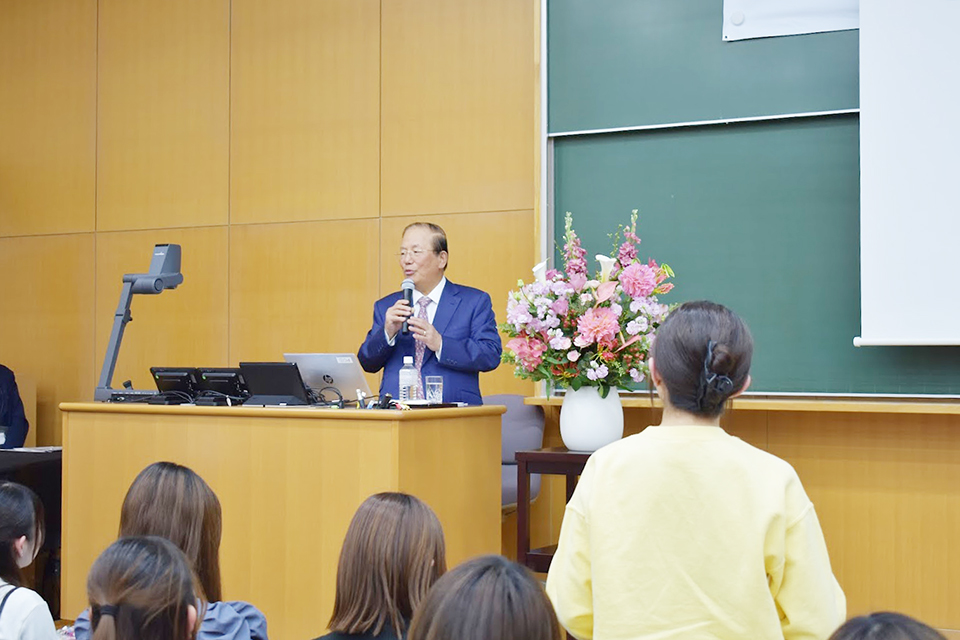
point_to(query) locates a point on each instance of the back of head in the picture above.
(702, 352)
(173, 502)
(141, 588)
(21, 514)
(487, 598)
(392, 554)
(885, 626)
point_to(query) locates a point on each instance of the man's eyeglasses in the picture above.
(413, 253)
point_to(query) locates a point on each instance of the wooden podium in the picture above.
(289, 481)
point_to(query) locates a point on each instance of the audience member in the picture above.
(392, 554)
(12, 415)
(23, 613)
(487, 598)
(683, 531)
(885, 626)
(173, 502)
(142, 588)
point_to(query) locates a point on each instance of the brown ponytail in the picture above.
(141, 588)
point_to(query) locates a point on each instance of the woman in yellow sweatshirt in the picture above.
(683, 531)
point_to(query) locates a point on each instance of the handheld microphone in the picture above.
(408, 287)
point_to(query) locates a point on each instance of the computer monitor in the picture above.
(338, 370)
(222, 382)
(274, 384)
(178, 379)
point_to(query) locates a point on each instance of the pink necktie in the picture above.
(421, 346)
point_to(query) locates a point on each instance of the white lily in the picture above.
(606, 266)
(540, 272)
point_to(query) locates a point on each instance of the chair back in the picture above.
(521, 426)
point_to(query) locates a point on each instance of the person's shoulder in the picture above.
(233, 619)
(30, 608)
(6, 374)
(466, 292)
(24, 598)
(764, 460)
(389, 299)
(385, 634)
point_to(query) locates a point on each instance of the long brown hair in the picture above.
(140, 588)
(21, 514)
(171, 501)
(487, 598)
(392, 554)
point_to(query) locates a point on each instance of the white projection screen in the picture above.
(909, 172)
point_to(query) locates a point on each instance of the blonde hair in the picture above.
(392, 554)
(141, 588)
(487, 598)
(173, 502)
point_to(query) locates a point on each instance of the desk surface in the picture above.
(821, 405)
(417, 415)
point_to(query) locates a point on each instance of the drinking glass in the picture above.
(434, 386)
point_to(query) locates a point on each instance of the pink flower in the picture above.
(627, 254)
(552, 274)
(638, 280)
(578, 282)
(573, 356)
(605, 290)
(529, 351)
(598, 324)
(560, 306)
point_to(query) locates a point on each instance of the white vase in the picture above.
(587, 421)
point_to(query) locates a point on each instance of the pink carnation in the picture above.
(638, 280)
(598, 324)
(529, 351)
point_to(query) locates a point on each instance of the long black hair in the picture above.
(21, 514)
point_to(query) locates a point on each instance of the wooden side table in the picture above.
(550, 461)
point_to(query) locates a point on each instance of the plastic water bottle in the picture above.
(408, 379)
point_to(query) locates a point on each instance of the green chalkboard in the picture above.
(762, 217)
(622, 63)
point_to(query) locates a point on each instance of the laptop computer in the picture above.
(338, 370)
(274, 384)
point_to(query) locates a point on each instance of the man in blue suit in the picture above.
(11, 410)
(459, 330)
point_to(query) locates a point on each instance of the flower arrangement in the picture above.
(575, 331)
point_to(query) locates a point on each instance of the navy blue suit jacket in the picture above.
(471, 344)
(11, 410)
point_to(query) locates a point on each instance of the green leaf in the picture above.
(604, 390)
(576, 383)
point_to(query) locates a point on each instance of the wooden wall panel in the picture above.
(163, 120)
(47, 320)
(305, 110)
(488, 251)
(887, 491)
(301, 287)
(186, 326)
(48, 103)
(458, 105)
